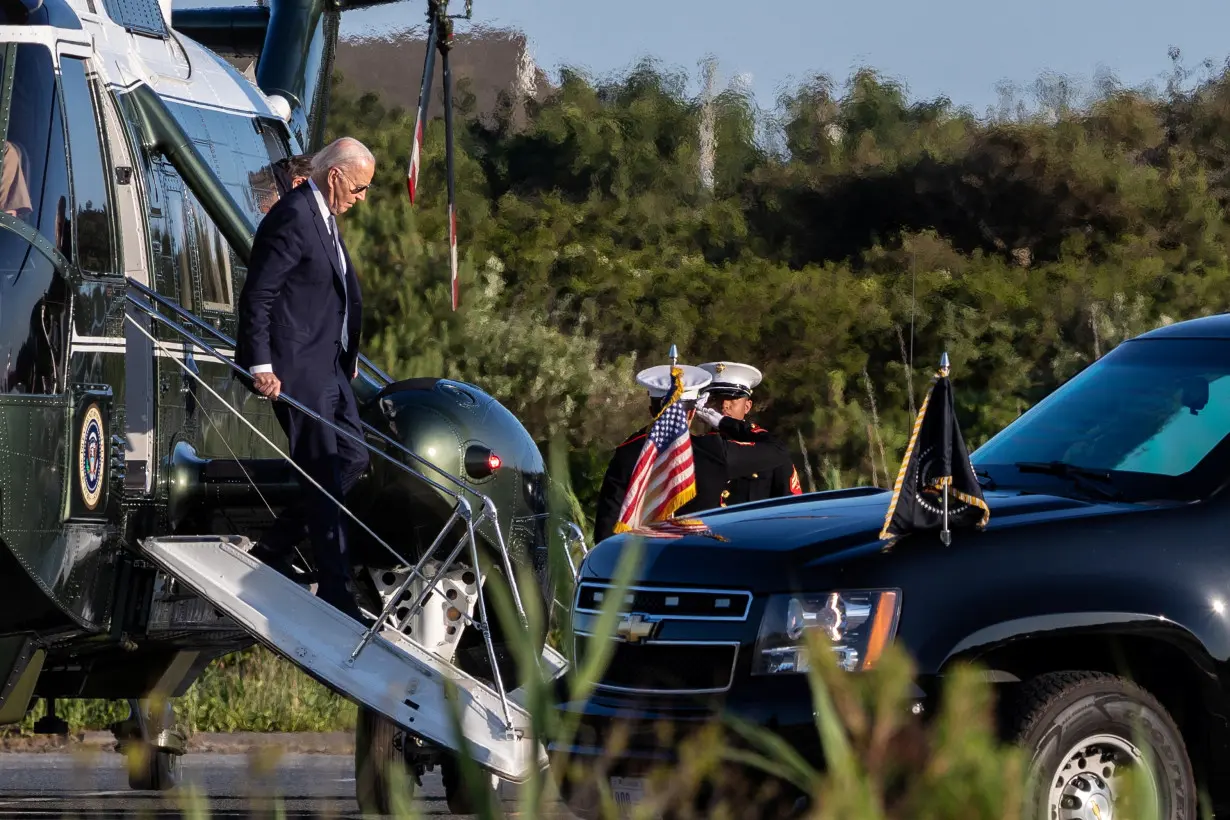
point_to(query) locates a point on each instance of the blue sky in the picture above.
(961, 48)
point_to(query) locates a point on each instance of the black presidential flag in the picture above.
(936, 469)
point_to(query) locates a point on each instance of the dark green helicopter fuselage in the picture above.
(104, 438)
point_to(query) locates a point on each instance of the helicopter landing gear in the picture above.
(458, 795)
(383, 765)
(51, 723)
(152, 745)
(388, 761)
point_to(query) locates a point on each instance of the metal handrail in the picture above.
(299, 406)
(489, 509)
(217, 333)
(150, 293)
(462, 510)
(572, 534)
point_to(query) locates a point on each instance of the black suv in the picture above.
(1099, 593)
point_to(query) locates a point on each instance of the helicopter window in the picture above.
(34, 178)
(175, 263)
(264, 186)
(213, 255)
(275, 145)
(234, 149)
(95, 250)
(33, 295)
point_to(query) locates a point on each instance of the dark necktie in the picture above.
(341, 260)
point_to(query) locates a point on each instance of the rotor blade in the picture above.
(420, 120)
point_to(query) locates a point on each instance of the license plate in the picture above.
(627, 793)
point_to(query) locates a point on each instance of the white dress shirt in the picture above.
(330, 225)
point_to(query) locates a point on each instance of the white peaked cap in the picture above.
(657, 380)
(732, 377)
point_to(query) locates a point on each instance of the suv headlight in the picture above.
(859, 623)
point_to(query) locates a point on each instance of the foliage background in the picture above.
(848, 233)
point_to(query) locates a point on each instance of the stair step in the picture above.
(392, 675)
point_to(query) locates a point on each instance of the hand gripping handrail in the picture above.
(489, 509)
(462, 511)
(225, 339)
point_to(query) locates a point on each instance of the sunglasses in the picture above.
(358, 189)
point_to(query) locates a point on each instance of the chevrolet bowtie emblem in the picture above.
(632, 628)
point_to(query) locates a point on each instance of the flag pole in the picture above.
(945, 535)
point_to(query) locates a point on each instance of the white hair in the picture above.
(341, 153)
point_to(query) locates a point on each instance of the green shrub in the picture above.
(249, 691)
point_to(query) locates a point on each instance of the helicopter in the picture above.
(138, 467)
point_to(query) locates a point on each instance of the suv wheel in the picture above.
(1083, 731)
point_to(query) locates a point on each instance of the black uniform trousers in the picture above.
(335, 462)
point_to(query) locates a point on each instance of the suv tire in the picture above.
(1079, 728)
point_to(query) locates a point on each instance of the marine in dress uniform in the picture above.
(715, 461)
(731, 386)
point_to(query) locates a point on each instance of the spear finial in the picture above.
(674, 355)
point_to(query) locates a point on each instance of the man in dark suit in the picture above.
(300, 314)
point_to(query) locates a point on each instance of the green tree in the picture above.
(883, 232)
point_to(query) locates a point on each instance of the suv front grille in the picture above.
(666, 667)
(644, 664)
(690, 604)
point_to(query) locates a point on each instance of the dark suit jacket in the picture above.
(291, 306)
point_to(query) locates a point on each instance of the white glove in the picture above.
(709, 416)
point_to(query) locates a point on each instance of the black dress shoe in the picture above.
(346, 605)
(277, 562)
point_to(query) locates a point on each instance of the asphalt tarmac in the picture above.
(94, 784)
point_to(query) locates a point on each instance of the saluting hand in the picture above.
(267, 384)
(710, 416)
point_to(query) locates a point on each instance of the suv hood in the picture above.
(764, 545)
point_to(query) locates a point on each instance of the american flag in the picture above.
(676, 528)
(663, 479)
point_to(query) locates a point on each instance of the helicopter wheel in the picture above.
(378, 753)
(151, 768)
(458, 795)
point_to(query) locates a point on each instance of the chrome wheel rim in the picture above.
(1089, 782)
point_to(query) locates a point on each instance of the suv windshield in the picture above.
(1147, 413)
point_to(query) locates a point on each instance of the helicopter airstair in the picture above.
(378, 665)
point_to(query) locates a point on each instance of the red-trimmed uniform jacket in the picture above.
(778, 478)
